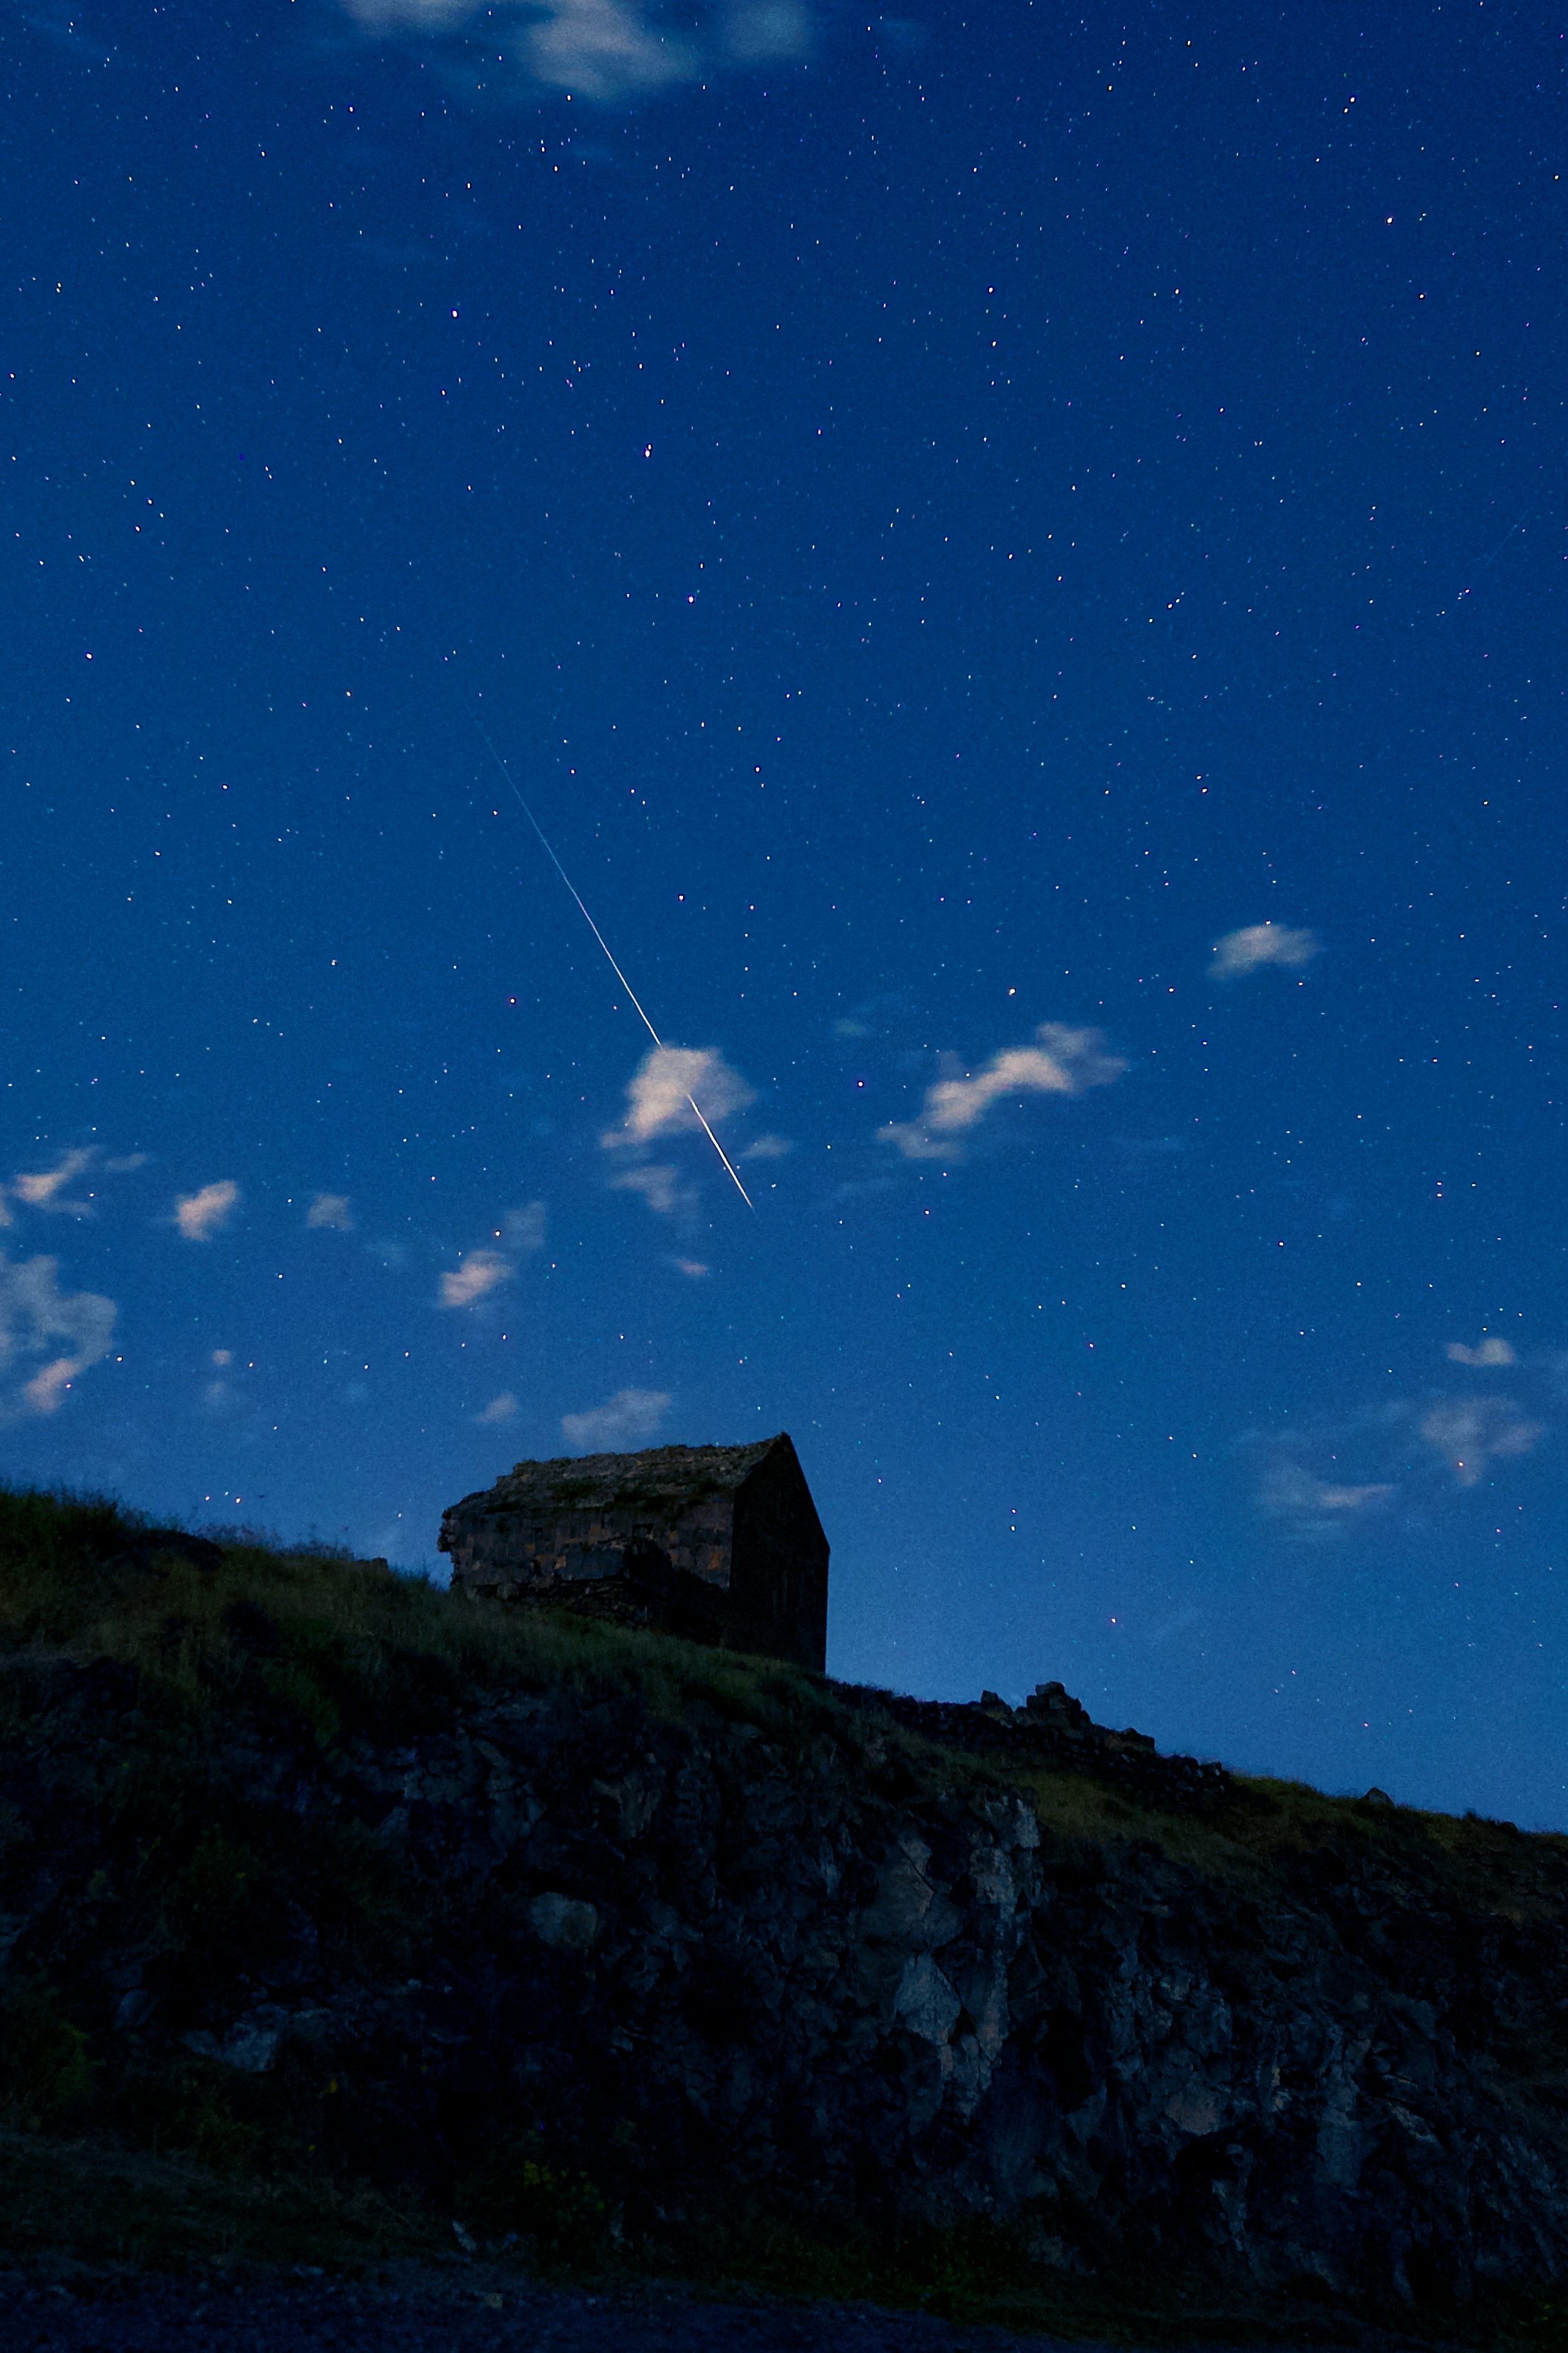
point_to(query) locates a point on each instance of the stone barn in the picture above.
(721, 1544)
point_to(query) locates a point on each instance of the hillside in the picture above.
(343, 1916)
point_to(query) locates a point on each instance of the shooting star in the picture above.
(610, 960)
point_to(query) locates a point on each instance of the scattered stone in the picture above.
(562, 1923)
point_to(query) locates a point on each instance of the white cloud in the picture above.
(480, 1272)
(1488, 1352)
(659, 1188)
(524, 1227)
(483, 1271)
(1471, 1433)
(410, 15)
(1257, 945)
(768, 1147)
(1067, 1061)
(694, 1267)
(606, 51)
(44, 1188)
(629, 1418)
(667, 1080)
(499, 1408)
(1407, 1457)
(758, 32)
(201, 1215)
(43, 1191)
(1318, 1508)
(331, 1210)
(36, 1317)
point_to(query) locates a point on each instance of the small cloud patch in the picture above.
(483, 1271)
(666, 1084)
(1256, 945)
(70, 1330)
(1494, 1351)
(201, 1215)
(525, 1228)
(46, 1189)
(629, 1419)
(499, 1408)
(608, 52)
(1065, 1062)
(659, 1187)
(1314, 1509)
(1472, 1433)
(330, 1212)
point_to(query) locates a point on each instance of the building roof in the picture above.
(662, 1479)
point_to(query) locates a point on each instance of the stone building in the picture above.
(721, 1544)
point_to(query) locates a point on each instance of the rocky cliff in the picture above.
(597, 1918)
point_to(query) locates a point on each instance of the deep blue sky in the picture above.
(947, 519)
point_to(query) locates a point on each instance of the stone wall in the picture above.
(718, 1544)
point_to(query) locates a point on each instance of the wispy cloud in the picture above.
(331, 1210)
(667, 1081)
(409, 16)
(1257, 944)
(1409, 1458)
(605, 49)
(523, 1230)
(694, 1267)
(499, 1408)
(46, 1189)
(201, 1215)
(760, 32)
(608, 52)
(1065, 1062)
(627, 1420)
(768, 1147)
(1316, 1508)
(220, 1396)
(1494, 1351)
(659, 1187)
(70, 1330)
(1472, 1433)
(483, 1271)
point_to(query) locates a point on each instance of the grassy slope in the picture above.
(351, 1651)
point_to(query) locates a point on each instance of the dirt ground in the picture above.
(424, 2313)
(414, 2311)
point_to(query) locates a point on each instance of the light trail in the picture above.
(604, 943)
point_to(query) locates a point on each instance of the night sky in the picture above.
(1017, 558)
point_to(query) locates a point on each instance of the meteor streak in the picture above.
(599, 936)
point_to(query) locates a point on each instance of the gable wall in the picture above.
(779, 1583)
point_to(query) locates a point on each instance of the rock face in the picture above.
(802, 1961)
(721, 1544)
